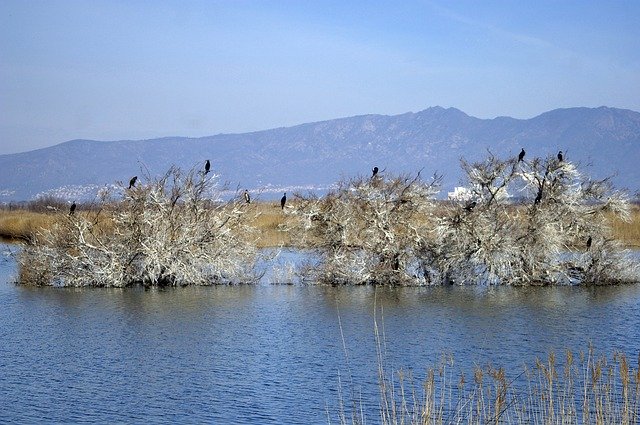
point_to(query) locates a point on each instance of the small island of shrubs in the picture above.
(523, 222)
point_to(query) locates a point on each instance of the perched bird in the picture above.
(247, 197)
(470, 206)
(589, 243)
(283, 200)
(538, 197)
(560, 157)
(375, 172)
(396, 262)
(521, 156)
(72, 209)
(132, 182)
(207, 167)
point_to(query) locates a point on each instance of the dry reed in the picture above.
(269, 219)
(589, 388)
(23, 225)
(270, 222)
(627, 232)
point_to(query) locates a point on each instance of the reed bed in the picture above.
(581, 389)
(23, 225)
(627, 232)
(574, 388)
(270, 222)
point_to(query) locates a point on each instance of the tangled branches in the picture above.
(368, 230)
(526, 222)
(533, 222)
(169, 231)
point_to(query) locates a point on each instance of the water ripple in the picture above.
(269, 354)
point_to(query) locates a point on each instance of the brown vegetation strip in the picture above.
(628, 233)
(270, 221)
(23, 225)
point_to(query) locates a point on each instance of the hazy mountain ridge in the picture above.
(317, 154)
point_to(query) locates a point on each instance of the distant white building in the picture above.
(463, 194)
(460, 194)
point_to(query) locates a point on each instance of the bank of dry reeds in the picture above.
(578, 389)
(627, 232)
(23, 225)
(574, 388)
(270, 222)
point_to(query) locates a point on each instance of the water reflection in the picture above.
(271, 354)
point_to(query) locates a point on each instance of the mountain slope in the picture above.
(317, 154)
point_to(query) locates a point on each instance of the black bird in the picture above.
(521, 156)
(396, 262)
(283, 200)
(560, 157)
(207, 167)
(470, 206)
(375, 172)
(538, 197)
(589, 243)
(72, 210)
(132, 182)
(247, 197)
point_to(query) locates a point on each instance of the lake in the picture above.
(272, 353)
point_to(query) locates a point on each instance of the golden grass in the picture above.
(23, 225)
(627, 233)
(268, 219)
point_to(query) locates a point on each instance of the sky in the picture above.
(114, 70)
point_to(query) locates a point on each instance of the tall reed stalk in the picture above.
(587, 388)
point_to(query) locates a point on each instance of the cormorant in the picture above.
(207, 167)
(521, 156)
(538, 197)
(396, 262)
(283, 200)
(247, 197)
(72, 210)
(470, 206)
(132, 182)
(375, 172)
(589, 243)
(560, 157)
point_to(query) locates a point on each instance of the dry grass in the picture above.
(271, 223)
(23, 225)
(628, 233)
(269, 220)
(568, 389)
(267, 217)
(573, 388)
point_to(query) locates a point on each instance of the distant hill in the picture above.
(315, 155)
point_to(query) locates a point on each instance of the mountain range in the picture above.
(312, 156)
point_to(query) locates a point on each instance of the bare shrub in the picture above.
(366, 231)
(532, 222)
(527, 222)
(170, 231)
(48, 204)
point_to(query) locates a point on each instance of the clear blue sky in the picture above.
(110, 70)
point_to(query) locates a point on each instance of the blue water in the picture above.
(271, 354)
